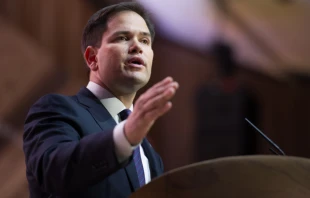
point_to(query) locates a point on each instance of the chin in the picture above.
(139, 78)
(135, 82)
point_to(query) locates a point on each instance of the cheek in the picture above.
(109, 58)
(117, 55)
(150, 59)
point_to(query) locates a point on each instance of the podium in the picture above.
(257, 176)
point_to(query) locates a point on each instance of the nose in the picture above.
(135, 47)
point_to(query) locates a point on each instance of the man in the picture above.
(82, 146)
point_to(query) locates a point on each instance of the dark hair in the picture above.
(97, 23)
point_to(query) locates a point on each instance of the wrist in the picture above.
(129, 137)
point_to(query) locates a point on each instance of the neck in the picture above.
(125, 98)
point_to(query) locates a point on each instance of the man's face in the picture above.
(125, 56)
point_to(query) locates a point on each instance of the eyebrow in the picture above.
(128, 32)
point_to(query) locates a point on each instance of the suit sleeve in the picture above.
(161, 164)
(56, 155)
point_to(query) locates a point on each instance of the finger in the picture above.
(154, 114)
(163, 82)
(158, 90)
(156, 99)
(159, 87)
(159, 100)
(136, 129)
(151, 93)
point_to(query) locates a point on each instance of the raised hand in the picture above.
(152, 104)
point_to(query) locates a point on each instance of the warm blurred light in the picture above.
(270, 35)
(187, 22)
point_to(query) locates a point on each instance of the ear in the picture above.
(90, 58)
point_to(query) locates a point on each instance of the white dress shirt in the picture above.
(114, 106)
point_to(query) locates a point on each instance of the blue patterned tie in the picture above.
(136, 153)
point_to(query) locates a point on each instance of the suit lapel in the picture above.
(96, 109)
(153, 159)
(153, 163)
(132, 175)
(106, 122)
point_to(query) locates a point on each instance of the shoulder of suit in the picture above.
(50, 101)
(54, 98)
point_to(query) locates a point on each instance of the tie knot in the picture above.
(124, 114)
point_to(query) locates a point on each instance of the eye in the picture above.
(145, 41)
(123, 38)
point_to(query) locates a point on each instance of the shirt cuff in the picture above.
(123, 148)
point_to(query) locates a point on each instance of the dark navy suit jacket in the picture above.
(69, 150)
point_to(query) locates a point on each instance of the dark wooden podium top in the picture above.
(260, 176)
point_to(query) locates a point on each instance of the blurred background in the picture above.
(232, 58)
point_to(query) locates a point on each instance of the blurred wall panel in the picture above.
(285, 109)
(24, 66)
(174, 133)
(12, 173)
(39, 53)
(53, 31)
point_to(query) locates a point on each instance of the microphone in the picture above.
(268, 140)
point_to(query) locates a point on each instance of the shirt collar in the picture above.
(109, 101)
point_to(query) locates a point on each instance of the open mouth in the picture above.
(136, 61)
